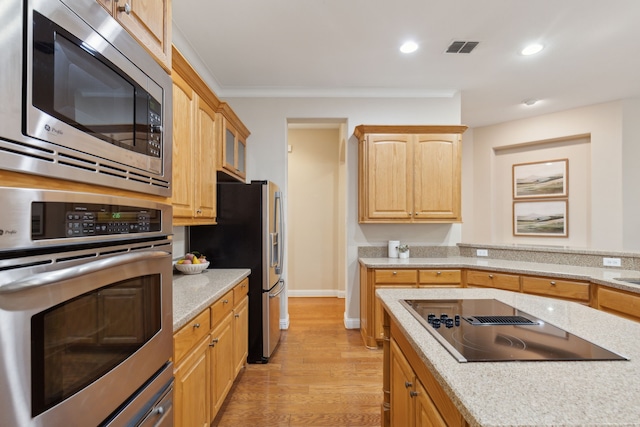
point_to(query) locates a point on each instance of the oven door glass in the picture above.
(76, 342)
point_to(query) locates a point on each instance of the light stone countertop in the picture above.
(542, 393)
(603, 276)
(192, 293)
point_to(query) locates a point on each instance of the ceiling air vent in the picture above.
(461, 47)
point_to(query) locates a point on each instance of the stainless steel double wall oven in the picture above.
(85, 310)
(85, 279)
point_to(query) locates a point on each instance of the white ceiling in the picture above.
(350, 48)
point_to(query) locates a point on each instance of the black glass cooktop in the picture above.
(488, 330)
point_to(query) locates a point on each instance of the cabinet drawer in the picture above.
(190, 334)
(396, 276)
(440, 277)
(578, 291)
(508, 282)
(618, 302)
(240, 291)
(221, 308)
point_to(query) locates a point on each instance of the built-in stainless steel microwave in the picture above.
(82, 100)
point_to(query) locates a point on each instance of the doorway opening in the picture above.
(316, 207)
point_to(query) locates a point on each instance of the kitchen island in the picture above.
(539, 393)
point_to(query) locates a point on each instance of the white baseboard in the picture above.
(351, 323)
(284, 323)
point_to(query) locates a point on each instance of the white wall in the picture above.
(267, 118)
(606, 217)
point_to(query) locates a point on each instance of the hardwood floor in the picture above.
(320, 375)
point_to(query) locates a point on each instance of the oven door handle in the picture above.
(51, 277)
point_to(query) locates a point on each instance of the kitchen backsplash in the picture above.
(531, 253)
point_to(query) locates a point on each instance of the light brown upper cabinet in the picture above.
(148, 21)
(195, 125)
(409, 174)
(232, 152)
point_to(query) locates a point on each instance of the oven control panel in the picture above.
(99, 223)
(55, 220)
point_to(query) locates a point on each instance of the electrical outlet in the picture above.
(611, 262)
(482, 252)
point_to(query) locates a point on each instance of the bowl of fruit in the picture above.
(192, 263)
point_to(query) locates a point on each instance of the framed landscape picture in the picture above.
(541, 179)
(546, 218)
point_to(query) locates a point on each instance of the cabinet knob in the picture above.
(213, 342)
(199, 211)
(196, 325)
(438, 273)
(126, 8)
(408, 384)
(226, 301)
(491, 276)
(413, 393)
(395, 273)
(552, 283)
(237, 315)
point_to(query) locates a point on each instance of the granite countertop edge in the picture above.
(193, 293)
(604, 276)
(479, 390)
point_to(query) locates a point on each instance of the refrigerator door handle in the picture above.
(280, 232)
(275, 251)
(278, 289)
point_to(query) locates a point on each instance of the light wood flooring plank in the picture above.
(320, 375)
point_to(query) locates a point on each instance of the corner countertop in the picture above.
(604, 276)
(192, 293)
(593, 393)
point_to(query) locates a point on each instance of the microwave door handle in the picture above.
(51, 277)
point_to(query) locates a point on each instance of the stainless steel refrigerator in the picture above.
(249, 234)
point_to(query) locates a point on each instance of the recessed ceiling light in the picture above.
(409, 47)
(532, 49)
(530, 102)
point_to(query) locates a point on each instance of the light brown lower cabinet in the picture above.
(416, 399)
(207, 354)
(372, 279)
(625, 304)
(557, 288)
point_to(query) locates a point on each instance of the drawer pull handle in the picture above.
(395, 272)
(226, 301)
(237, 315)
(438, 273)
(408, 384)
(552, 283)
(213, 342)
(413, 393)
(491, 276)
(196, 325)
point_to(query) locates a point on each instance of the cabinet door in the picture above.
(389, 177)
(436, 169)
(205, 160)
(149, 21)
(222, 363)
(107, 4)
(183, 155)
(427, 414)
(191, 393)
(241, 334)
(402, 383)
